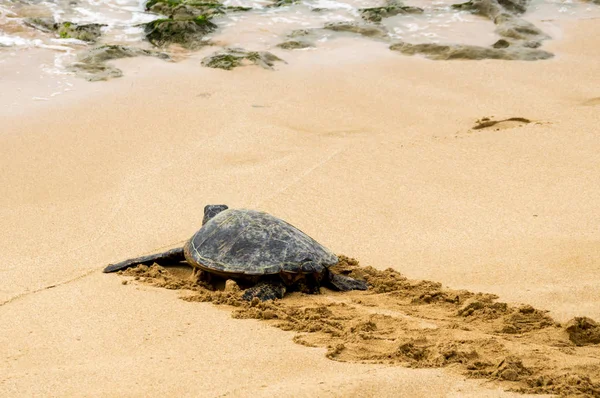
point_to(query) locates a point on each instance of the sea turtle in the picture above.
(254, 248)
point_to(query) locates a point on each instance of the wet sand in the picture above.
(377, 159)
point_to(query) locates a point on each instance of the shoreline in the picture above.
(377, 160)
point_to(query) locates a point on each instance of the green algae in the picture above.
(231, 58)
(391, 8)
(91, 64)
(461, 51)
(187, 32)
(67, 30)
(295, 45)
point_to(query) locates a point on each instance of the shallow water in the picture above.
(263, 27)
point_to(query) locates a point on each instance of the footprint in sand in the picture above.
(489, 123)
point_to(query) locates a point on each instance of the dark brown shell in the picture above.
(248, 242)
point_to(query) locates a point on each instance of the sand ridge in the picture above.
(419, 324)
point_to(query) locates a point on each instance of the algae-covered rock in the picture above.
(352, 27)
(151, 4)
(234, 57)
(515, 32)
(294, 45)
(300, 33)
(184, 12)
(192, 7)
(512, 27)
(504, 15)
(501, 44)
(489, 7)
(391, 8)
(514, 6)
(189, 7)
(89, 32)
(461, 51)
(46, 25)
(486, 8)
(91, 65)
(110, 52)
(187, 32)
(283, 3)
(67, 30)
(187, 22)
(94, 72)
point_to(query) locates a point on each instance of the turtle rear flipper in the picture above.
(344, 283)
(265, 291)
(172, 256)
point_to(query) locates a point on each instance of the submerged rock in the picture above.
(94, 72)
(283, 3)
(461, 51)
(300, 33)
(110, 52)
(504, 15)
(295, 45)
(89, 32)
(487, 7)
(91, 65)
(520, 38)
(512, 27)
(161, 5)
(185, 7)
(392, 8)
(352, 27)
(501, 44)
(301, 38)
(515, 6)
(234, 57)
(67, 30)
(46, 25)
(206, 7)
(187, 32)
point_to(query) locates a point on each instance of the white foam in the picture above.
(14, 41)
(266, 26)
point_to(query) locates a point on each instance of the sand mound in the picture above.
(583, 331)
(421, 324)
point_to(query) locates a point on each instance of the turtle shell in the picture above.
(248, 242)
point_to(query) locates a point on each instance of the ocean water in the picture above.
(264, 26)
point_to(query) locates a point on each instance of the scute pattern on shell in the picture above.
(249, 242)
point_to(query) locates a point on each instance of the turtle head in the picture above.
(212, 210)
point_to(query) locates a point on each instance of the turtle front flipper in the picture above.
(265, 291)
(171, 256)
(344, 283)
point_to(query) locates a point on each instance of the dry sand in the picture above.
(377, 159)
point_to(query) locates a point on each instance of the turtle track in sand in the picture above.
(419, 323)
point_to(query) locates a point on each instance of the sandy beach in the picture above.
(370, 152)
